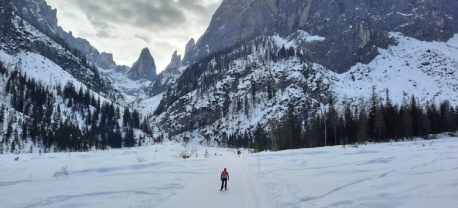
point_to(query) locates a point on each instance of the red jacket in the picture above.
(225, 174)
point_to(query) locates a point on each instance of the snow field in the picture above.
(420, 173)
(405, 174)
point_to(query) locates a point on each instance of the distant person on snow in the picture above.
(224, 179)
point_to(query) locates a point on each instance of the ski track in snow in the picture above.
(244, 190)
(362, 177)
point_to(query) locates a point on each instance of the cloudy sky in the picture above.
(124, 28)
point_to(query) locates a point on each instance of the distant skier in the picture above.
(239, 152)
(224, 179)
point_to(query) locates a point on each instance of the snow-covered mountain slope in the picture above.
(54, 99)
(427, 70)
(132, 89)
(40, 15)
(39, 68)
(44, 71)
(254, 83)
(51, 110)
(21, 37)
(142, 95)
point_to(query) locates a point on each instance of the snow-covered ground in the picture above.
(421, 173)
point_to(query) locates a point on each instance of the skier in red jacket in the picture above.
(224, 179)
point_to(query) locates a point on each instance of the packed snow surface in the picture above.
(422, 173)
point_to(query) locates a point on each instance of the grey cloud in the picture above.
(101, 25)
(143, 37)
(103, 34)
(164, 25)
(155, 14)
(193, 5)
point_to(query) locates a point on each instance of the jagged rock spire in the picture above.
(144, 67)
(175, 62)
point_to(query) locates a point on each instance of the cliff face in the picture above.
(352, 28)
(5, 18)
(224, 30)
(18, 35)
(39, 14)
(144, 67)
(105, 61)
(175, 61)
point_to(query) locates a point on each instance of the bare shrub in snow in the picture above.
(141, 159)
(65, 171)
(188, 151)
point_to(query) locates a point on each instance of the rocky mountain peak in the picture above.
(144, 67)
(190, 51)
(223, 31)
(175, 62)
(105, 61)
(38, 13)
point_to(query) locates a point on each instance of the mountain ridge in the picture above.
(41, 15)
(339, 22)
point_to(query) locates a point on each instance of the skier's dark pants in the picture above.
(223, 183)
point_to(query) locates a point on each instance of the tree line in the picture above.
(377, 122)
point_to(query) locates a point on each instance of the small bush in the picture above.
(141, 159)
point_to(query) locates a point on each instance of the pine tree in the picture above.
(406, 122)
(379, 126)
(361, 134)
(88, 117)
(258, 138)
(434, 117)
(16, 142)
(391, 118)
(446, 118)
(291, 130)
(87, 98)
(316, 132)
(24, 131)
(415, 114)
(136, 119)
(350, 126)
(129, 140)
(2, 116)
(374, 106)
(127, 118)
(9, 131)
(332, 122)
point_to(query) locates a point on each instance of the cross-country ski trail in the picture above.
(201, 188)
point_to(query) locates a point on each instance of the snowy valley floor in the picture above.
(420, 173)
